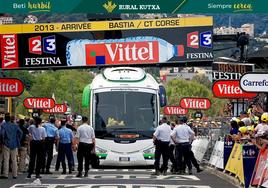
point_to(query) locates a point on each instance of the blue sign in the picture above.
(228, 146)
(250, 155)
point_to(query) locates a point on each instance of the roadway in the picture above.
(120, 178)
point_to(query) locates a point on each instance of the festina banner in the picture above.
(230, 71)
(166, 42)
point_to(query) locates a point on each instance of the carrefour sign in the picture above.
(254, 82)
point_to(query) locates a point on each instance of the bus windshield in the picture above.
(125, 111)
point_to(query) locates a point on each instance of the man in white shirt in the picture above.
(181, 135)
(161, 138)
(86, 138)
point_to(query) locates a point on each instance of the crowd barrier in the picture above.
(245, 161)
(216, 158)
(199, 147)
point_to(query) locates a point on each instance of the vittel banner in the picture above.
(11, 87)
(38, 103)
(230, 89)
(174, 110)
(59, 45)
(195, 103)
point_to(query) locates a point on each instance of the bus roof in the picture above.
(124, 77)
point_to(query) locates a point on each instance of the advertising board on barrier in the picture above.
(175, 110)
(259, 167)
(45, 46)
(235, 160)
(195, 103)
(250, 154)
(254, 82)
(11, 87)
(228, 146)
(230, 89)
(216, 158)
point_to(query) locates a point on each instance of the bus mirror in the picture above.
(86, 97)
(162, 96)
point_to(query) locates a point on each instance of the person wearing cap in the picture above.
(65, 146)
(182, 135)
(161, 139)
(52, 136)
(85, 137)
(261, 128)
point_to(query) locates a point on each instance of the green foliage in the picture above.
(67, 85)
(202, 79)
(177, 89)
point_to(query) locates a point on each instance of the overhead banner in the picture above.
(130, 6)
(41, 46)
(229, 70)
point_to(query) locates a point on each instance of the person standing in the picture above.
(86, 137)
(24, 146)
(52, 136)
(171, 150)
(181, 135)
(37, 136)
(65, 146)
(11, 135)
(161, 138)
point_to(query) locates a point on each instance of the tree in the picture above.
(202, 79)
(178, 88)
(67, 85)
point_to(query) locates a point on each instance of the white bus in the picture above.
(124, 107)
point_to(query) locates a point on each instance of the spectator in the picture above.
(261, 128)
(24, 146)
(11, 135)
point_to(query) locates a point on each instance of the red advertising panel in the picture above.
(11, 87)
(175, 110)
(122, 52)
(39, 103)
(58, 109)
(195, 103)
(259, 167)
(9, 51)
(230, 89)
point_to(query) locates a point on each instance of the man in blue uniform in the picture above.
(65, 146)
(52, 136)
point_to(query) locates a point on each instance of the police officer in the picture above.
(161, 138)
(181, 135)
(65, 146)
(86, 137)
(52, 135)
(37, 136)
